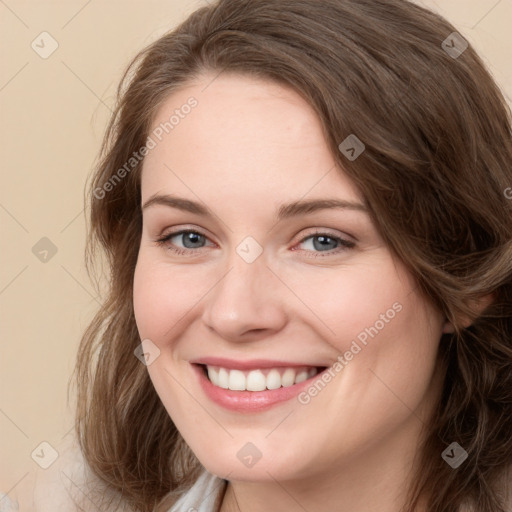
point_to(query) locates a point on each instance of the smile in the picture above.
(250, 387)
(259, 379)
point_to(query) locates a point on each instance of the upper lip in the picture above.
(252, 364)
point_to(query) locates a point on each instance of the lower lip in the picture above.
(249, 401)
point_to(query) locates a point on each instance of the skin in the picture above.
(249, 146)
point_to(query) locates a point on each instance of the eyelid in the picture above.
(184, 229)
(163, 238)
(329, 232)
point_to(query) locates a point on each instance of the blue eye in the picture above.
(190, 239)
(324, 242)
(318, 242)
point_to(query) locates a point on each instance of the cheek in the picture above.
(388, 361)
(163, 296)
(354, 303)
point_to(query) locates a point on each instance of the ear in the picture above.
(477, 306)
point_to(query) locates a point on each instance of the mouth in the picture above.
(259, 379)
(254, 389)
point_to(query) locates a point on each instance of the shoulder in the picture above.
(65, 485)
(68, 485)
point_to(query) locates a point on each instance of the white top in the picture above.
(61, 486)
(6, 505)
(202, 496)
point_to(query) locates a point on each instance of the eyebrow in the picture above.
(285, 211)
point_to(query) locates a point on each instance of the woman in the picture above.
(304, 210)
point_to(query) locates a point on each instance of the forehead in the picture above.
(243, 133)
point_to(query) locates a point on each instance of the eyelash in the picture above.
(345, 244)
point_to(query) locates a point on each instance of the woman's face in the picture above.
(263, 291)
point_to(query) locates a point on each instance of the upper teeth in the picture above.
(258, 380)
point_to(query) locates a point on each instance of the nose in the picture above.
(247, 303)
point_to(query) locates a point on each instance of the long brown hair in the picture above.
(435, 172)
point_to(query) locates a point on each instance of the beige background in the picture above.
(53, 113)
